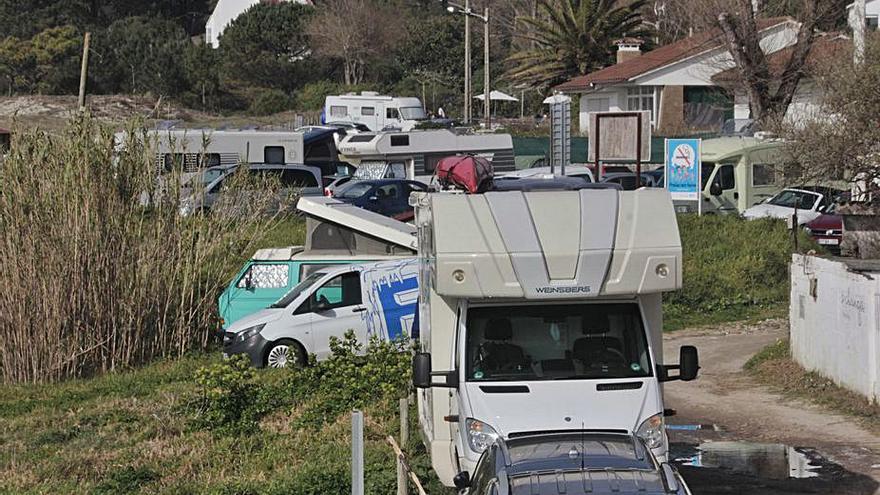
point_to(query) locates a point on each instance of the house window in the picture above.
(338, 111)
(640, 98)
(871, 22)
(368, 111)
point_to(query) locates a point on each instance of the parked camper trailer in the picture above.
(414, 155)
(373, 110)
(190, 150)
(533, 320)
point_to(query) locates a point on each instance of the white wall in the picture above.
(835, 319)
(805, 105)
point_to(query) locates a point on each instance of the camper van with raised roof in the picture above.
(541, 311)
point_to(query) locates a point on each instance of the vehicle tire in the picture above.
(283, 351)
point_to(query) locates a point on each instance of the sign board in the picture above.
(683, 169)
(617, 136)
(560, 130)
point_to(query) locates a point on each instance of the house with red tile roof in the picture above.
(673, 82)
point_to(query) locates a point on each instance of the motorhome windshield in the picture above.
(297, 290)
(413, 113)
(801, 200)
(556, 342)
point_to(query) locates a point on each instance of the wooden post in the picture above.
(402, 487)
(83, 72)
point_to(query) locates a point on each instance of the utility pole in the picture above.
(486, 93)
(467, 64)
(858, 20)
(83, 72)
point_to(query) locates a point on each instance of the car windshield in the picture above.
(789, 198)
(354, 191)
(297, 290)
(413, 113)
(556, 342)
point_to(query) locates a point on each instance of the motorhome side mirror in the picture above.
(462, 480)
(421, 370)
(688, 362)
(715, 189)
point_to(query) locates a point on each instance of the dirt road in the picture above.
(743, 410)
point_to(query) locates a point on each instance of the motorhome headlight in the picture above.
(249, 332)
(480, 435)
(651, 431)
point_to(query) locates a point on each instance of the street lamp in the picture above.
(466, 10)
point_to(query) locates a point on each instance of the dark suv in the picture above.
(575, 463)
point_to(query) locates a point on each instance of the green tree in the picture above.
(201, 65)
(57, 54)
(266, 45)
(433, 50)
(141, 54)
(17, 65)
(570, 38)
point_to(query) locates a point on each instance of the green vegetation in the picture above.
(774, 366)
(734, 269)
(170, 428)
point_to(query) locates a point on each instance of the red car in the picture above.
(826, 230)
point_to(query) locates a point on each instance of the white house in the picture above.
(225, 12)
(675, 81)
(872, 14)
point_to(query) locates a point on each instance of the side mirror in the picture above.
(421, 370)
(462, 480)
(373, 198)
(688, 363)
(321, 306)
(715, 189)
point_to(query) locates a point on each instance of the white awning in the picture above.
(496, 95)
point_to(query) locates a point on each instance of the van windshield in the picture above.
(297, 290)
(413, 113)
(556, 342)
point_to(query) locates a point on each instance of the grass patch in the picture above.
(135, 431)
(773, 366)
(734, 269)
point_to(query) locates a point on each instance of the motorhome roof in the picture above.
(724, 147)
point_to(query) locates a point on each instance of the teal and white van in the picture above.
(271, 273)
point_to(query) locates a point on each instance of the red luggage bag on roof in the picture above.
(471, 173)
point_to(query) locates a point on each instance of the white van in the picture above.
(370, 299)
(541, 311)
(374, 110)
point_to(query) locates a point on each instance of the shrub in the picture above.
(98, 270)
(269, 101)
(128, 479)
(348, 380)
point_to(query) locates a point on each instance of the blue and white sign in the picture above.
(683, 168)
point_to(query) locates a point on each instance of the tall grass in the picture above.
(92, 278)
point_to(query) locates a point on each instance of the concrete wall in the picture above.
(835, 319)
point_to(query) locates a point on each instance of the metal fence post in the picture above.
(402, 488)
(357, 453)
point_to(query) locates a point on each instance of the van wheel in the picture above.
(285, 351)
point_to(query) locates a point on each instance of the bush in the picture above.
(98, 269)
(227, 396)
(269, 101)
(128, 479)
(731, 263)
(348, 380)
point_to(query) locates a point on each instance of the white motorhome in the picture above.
(540, 311)
(374, 110)
(414, 155)
(192, 149)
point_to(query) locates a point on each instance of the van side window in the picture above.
(338, 111)
(368, 111)
(726, 177)
(264, 276)
(273, 154)
(392, 113)
(763, 174)
(340, 291)
(307, 269)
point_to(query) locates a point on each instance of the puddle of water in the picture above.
(765, 460)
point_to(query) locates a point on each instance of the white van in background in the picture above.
(374, 110)
(372, 299)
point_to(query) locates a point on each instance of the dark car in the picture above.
(389, 197)
(575, 463)
(627, 180)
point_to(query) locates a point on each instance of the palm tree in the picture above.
(570, 38)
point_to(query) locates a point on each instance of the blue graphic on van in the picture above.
(398, 308)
